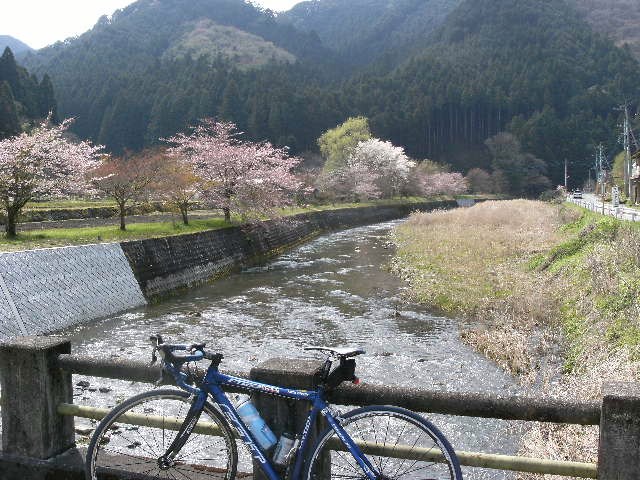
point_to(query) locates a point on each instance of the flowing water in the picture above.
(332, 291)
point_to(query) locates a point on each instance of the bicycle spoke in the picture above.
(202, 456)
(411, 449)
(354, 468)
(385, 438)
(417, 469)
(375, 436)
(387, 432)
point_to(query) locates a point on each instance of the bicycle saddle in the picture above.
(339, 352)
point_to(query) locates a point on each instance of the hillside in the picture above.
(138, 75)
(16, 46)
(209, 39)
(362, 30)
(532, 67)
(618, 19)
(23, 98)
(529, 66)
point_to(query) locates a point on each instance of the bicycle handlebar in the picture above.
(196, 351)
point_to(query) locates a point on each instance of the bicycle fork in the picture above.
(364, 463)
(167, 460)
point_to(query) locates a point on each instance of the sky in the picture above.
(39, 23)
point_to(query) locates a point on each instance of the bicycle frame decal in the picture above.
(222, 379)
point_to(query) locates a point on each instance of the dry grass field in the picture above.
(552, 294)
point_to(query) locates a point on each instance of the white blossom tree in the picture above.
(42, 163)
(355, 182)
(442, 183)
(239, 176)
(391, 165)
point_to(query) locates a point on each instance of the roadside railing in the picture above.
(620, 212)
(38, 412)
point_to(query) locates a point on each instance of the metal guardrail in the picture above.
(469, 459)
(421, 400)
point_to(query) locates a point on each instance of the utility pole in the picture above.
(600, 171)
(627, 150)
(626, 140)
(565, 176)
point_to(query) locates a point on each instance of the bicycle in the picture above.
(189, 433)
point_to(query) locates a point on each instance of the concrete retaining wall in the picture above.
(162, 265)
(50, 289)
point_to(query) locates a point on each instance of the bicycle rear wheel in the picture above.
(398, 443)
(130, 442)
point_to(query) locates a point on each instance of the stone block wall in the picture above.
(162, 265)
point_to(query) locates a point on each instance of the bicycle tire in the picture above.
(122, 447)
(401, 432)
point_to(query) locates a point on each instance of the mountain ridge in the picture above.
(17, 46)
(533, 67)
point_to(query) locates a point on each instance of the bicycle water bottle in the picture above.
(284, 449)
(254, 422)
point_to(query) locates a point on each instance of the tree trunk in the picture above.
(123, 212)
(185, 215)
(227, 214)
(10, 227)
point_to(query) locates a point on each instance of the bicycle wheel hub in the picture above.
(165, 463)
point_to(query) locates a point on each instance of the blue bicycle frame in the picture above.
(212, 385)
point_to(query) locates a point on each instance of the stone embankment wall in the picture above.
(46, 290)
(162, 265)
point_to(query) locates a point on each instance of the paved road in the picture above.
(97, 222)
(593, 202)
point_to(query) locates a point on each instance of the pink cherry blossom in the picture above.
(249, 178)
(442, 183)
(42, 163)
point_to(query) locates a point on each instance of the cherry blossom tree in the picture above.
(238, 176)
(355, 182)
(387, 162)
(127, 179)
(373, 169)
(179, 186)
(42, 163)
(442, 183)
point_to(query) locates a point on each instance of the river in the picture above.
(332, 291)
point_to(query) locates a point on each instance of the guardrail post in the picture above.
(279, 413)
(32, 387)
(619, 446)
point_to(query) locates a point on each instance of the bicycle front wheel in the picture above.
(399, 444)
(131, 441)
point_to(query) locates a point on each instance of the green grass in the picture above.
(80, 236)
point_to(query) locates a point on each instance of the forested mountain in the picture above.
(140, 75)
(618, 19)
(16, 46)
(533, 67)
(362, 30)
(22, 97)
